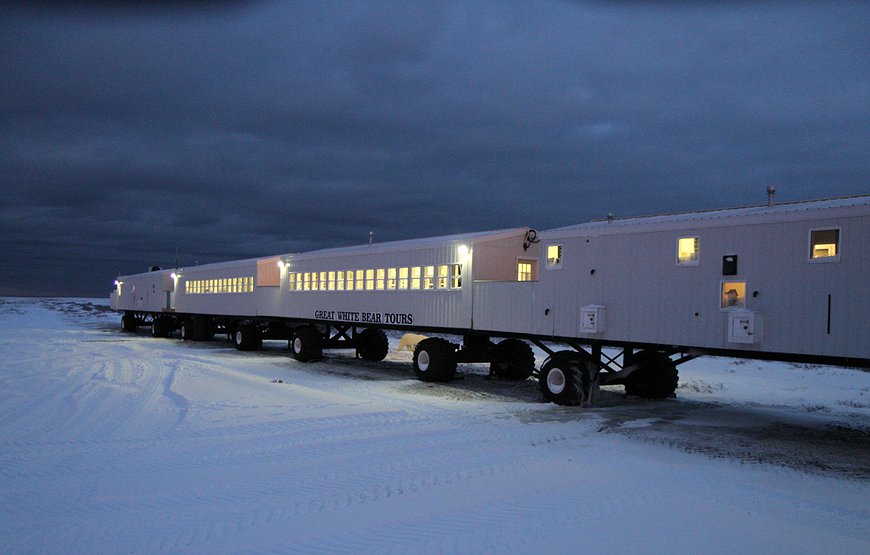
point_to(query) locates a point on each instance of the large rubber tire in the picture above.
(514, 360)
(372, 344)
(186, 330)
(161, 327)
(435, 360)
(656, 378)
(129, 322)
(247, 338)
(306, 344)
(563, 380)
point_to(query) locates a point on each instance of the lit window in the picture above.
(330, 281)
(403, 278)
(456, 276)
(443, 273)
(415, 277)
(825, 244)
(291, 281)
(370, 279)
(339, 280)
(391, 278)
(380, 275)
(429, 277)
(687, 251)
(524, 271)
(733, 295)
(554, 257)
(360, 279)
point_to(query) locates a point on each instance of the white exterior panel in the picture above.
(630, 268)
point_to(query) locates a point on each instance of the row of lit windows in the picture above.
(824, 245)
(445, 276)
(223, 285)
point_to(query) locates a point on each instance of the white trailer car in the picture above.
(783, 282)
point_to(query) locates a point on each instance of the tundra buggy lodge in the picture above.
(785, 282)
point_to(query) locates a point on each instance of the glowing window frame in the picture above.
(837, 245)
(556, 263)
(696, 246)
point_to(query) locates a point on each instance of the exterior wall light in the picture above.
(463, 252)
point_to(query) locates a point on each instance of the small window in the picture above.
(379, 280)
(360, 275)
(403, 278)
(825, 245)
(687, 251)
(330, 281)
(524, 271)
(415, 277)
(391, 278)
(733, 295)
(370, 279)
(456, 276)
(339, 280)
(429, 277)
(443, 274)
(554, 257)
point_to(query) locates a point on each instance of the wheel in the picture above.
(372, 344)
(515, 360)
(247, 338)
(186, 330)
(129, 322)
(306, 343)
(566, 381)
(434, 360)
(655, 378)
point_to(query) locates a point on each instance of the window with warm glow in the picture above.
(825, 244)
(429, 277)
(733, 295)
(391, 278)
(456, 276)
(415, 277)
(524, 271)
(380, 277)
(443, 274)
(554, 257)
(360, 279)
(403, 278)
(688, 249)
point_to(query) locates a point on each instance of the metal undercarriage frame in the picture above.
(612, 370)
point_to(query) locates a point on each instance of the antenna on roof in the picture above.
(771, 190)
(371, 237)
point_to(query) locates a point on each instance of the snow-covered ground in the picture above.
(120, 443)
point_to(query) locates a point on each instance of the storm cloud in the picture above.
(134, 135)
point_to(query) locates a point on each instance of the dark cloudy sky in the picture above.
(240, 129)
